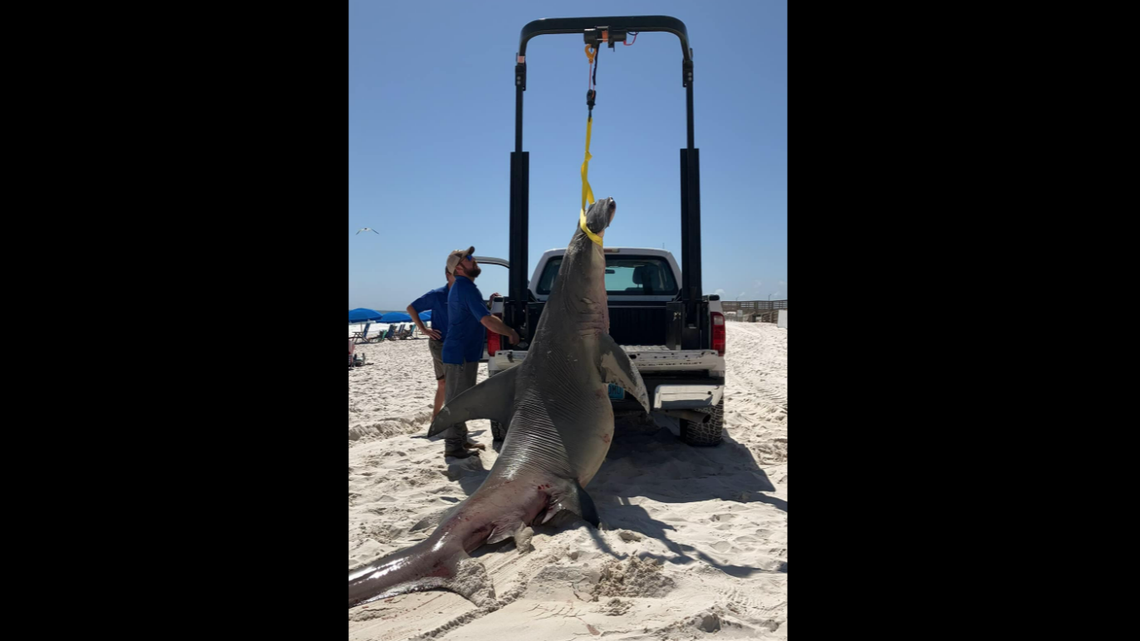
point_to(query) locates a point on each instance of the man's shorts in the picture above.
(436, 348)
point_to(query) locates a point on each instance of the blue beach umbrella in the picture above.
(395, 317)
(363, 315)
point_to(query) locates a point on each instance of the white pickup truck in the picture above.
(646, 319)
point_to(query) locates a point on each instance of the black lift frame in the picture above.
(595, 31)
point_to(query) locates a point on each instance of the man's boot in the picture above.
(455, 449)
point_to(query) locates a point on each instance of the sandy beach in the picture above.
(693, 542)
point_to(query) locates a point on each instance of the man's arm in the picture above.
(479, 310)
(496, 324)
(434, 333)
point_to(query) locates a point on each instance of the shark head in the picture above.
(600, 215)
(583, 270)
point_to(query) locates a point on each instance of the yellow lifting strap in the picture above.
(587, 193)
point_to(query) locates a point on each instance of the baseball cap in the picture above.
(456, 256)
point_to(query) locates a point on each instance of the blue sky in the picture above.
(431, 127)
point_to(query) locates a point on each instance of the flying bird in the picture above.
(367, 229)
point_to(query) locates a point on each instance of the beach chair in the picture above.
(405, 331)
(362, 336)
(391, 333)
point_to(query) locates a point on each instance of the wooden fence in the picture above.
(753, 311)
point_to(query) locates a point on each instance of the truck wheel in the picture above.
(705, 433)
(498, 432)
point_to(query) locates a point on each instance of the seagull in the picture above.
(367, 229)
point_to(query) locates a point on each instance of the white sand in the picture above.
(693, 540)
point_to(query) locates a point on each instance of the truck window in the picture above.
(632, 276)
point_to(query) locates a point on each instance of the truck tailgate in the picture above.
(647, 359)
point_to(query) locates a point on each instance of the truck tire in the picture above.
(709, 433)
(498, 432)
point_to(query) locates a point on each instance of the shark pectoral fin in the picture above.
(491, 399)
(617, 368)
(503, 530)
(572, 498)
(515, 529)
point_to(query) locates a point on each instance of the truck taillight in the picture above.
(718, 332)
(493, 339)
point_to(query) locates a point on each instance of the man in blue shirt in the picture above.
(436, 301)
(463, 343)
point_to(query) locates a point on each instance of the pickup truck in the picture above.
(643, 288)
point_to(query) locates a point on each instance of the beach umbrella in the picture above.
(395, 317)
(363, 314)
(426, 316)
